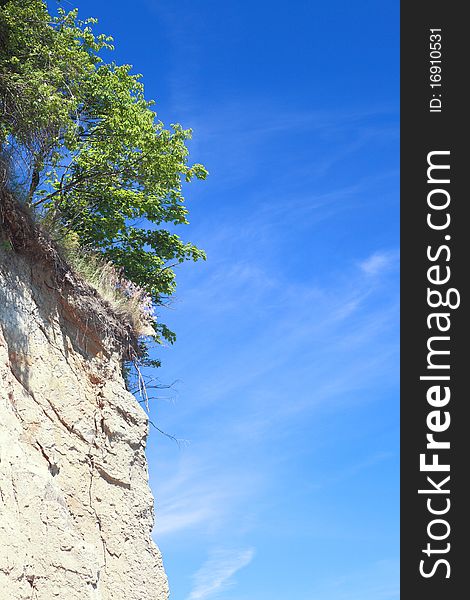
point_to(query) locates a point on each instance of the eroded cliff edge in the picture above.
(76, 511)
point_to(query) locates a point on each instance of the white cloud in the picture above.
(190, 499)
(181, 517)
(199, 495)
(321, 345)
(378, 262)
(216, 574)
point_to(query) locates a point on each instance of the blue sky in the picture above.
(287, 350)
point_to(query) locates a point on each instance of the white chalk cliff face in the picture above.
(76, 511)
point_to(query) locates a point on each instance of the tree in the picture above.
(91, 156)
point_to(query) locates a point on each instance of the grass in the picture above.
(128, 301)
(125, 299)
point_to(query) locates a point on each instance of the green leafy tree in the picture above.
(91, 156)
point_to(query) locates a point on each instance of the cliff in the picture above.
(76, 511)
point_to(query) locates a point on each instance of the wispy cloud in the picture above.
(189, 499)
(232, 139)
(378, 262)
(217, 573)
(374, 581)
(337, 318)
(200, 495)
(342, 348)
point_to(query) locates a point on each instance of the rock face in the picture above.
(76, 511)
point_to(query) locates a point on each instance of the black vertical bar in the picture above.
(434, 119)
